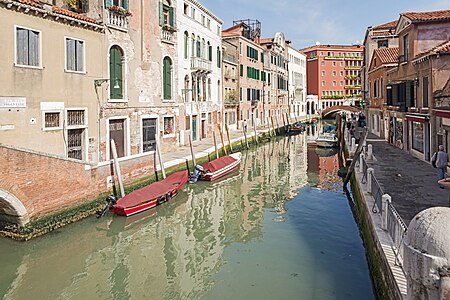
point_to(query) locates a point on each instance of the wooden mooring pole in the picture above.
(117, 168)
(215, 144)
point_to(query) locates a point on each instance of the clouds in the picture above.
(329, 21)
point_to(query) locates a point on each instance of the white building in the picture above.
(199, 69)
(297, 83)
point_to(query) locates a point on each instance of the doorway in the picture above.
(117, 133)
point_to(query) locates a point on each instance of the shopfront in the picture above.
(419, 135)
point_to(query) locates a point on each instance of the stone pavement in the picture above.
(410, 182)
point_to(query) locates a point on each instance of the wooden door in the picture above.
(117, 133)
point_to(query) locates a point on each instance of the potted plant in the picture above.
(72, 5)
(120, 11)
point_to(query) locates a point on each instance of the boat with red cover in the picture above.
(150, 195)
(221, 166)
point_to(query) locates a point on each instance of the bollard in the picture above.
(370, 152)
(361, 160)
(369, 180)
(385, 200)
(353, 145)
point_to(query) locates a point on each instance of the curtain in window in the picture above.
(34, 48)
(80, 55)
(70, 54)
(22, 46)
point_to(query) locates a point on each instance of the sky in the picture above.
(306, 22)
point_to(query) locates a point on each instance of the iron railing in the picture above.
(377, 194)
(396, 228)
(365, 167)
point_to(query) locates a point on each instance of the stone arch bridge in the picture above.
(339, 108)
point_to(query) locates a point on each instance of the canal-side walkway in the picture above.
(410, 182)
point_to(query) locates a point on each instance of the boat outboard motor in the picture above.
(198, 171)
(110, 201)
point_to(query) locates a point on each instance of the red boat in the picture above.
(221, 166)
(150, 195)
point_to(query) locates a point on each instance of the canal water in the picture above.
(279, 228)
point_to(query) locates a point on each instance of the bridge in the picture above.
(339, 108)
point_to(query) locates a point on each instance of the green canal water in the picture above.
(280, 228)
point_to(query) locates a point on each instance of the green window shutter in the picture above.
(108, 3)
(167, 84)
(125, 4)
(172, 16)
(241, 70)
(256, 54)
(210, 53)
(248, 72)
(161, 14)
(115, 67)
(262, 57)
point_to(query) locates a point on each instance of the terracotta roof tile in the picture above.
(443, 48)
(382, 33)
(387, 55)
(266, 41)
(388, 25)
(31, 3)
(332, 47)
(74, 15)
(427, 16)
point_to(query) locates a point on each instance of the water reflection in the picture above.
(177, 250)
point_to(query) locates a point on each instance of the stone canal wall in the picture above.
(44, 183)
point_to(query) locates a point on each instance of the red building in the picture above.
(334, 74)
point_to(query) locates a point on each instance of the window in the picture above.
(209, 24)
(341, 63)
(166, 15)
(28, 44)
(334, 73)
(375, 89)
(169, 125)
(186, 7)
(342, 83)
(323, 63)
(187, 123)
(209, 52)
(75, 143)
(323, 83)
(78, 6)
(186, 44)
(115, 73)
(52, 120)
(192, 13)
(425, 92)
(121, 3)
(334, 82)
(334, 64)
(405, 48)
(167, 78)
(417, 136)
(383, 44)
(76, 117)
(149, 127)
(74, 55)
(240, 47)
(203, 20)
(209, 118)
(218, 57)
(323, 73)
(341, 73)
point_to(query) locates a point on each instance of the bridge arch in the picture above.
(336, 108)
(12, 209)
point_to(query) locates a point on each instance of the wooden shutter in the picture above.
(115, 67)
(167, 85)
(108, 3)
(161, 14)
(125, 4)
(172, 17)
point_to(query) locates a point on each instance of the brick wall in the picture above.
(45, 183)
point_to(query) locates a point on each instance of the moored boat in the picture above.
(150, 195)
(327, 140)
(216, 168)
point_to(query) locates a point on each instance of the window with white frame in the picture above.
(76, 124)
(323, 83)
(28, 47)
(52, 120)
(169, 124)
(74, 55)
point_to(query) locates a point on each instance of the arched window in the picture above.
(115, 73)
(167, 78)
(203, 51)
(186, 44)
(198, 47)
(193, 45)
(186, 88)
(218, 57)
(218, 91)
(209, 51)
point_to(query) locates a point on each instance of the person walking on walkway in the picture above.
(441, 159)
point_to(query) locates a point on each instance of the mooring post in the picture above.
(161, 163)
(254, 128)
(192, 151)
(245, 136)
(228, 136)
(117, 167)
(155, 166)
(369, 180)
(353, 145)
(215, 144)
(385, 200)
(370, 152)
(222, 139)
(361, 161)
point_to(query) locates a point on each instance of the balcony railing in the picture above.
(352, 86)
(353, 67)
(116, 20)
(167, 36)
(200, 64)
(354, 57)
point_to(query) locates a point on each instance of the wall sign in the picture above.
(13, 102)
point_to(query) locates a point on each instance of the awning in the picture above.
(443, 113)
(417, 118)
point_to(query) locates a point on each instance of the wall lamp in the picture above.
(99, 82)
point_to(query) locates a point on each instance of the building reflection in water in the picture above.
(174, 250)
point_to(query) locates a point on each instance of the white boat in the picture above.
(327, 140)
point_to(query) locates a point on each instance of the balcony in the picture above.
(333, 96)
(353, 67)
(116, 20)
(352, 77)
(168, 35)
(354, 57)
(352, 86)
(200, 64)
(334, 57)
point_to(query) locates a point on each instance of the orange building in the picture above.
(334, 74)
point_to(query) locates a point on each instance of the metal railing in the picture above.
(397, 230)
(377, 194)
(365, 167)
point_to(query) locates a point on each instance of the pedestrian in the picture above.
(441, 160)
